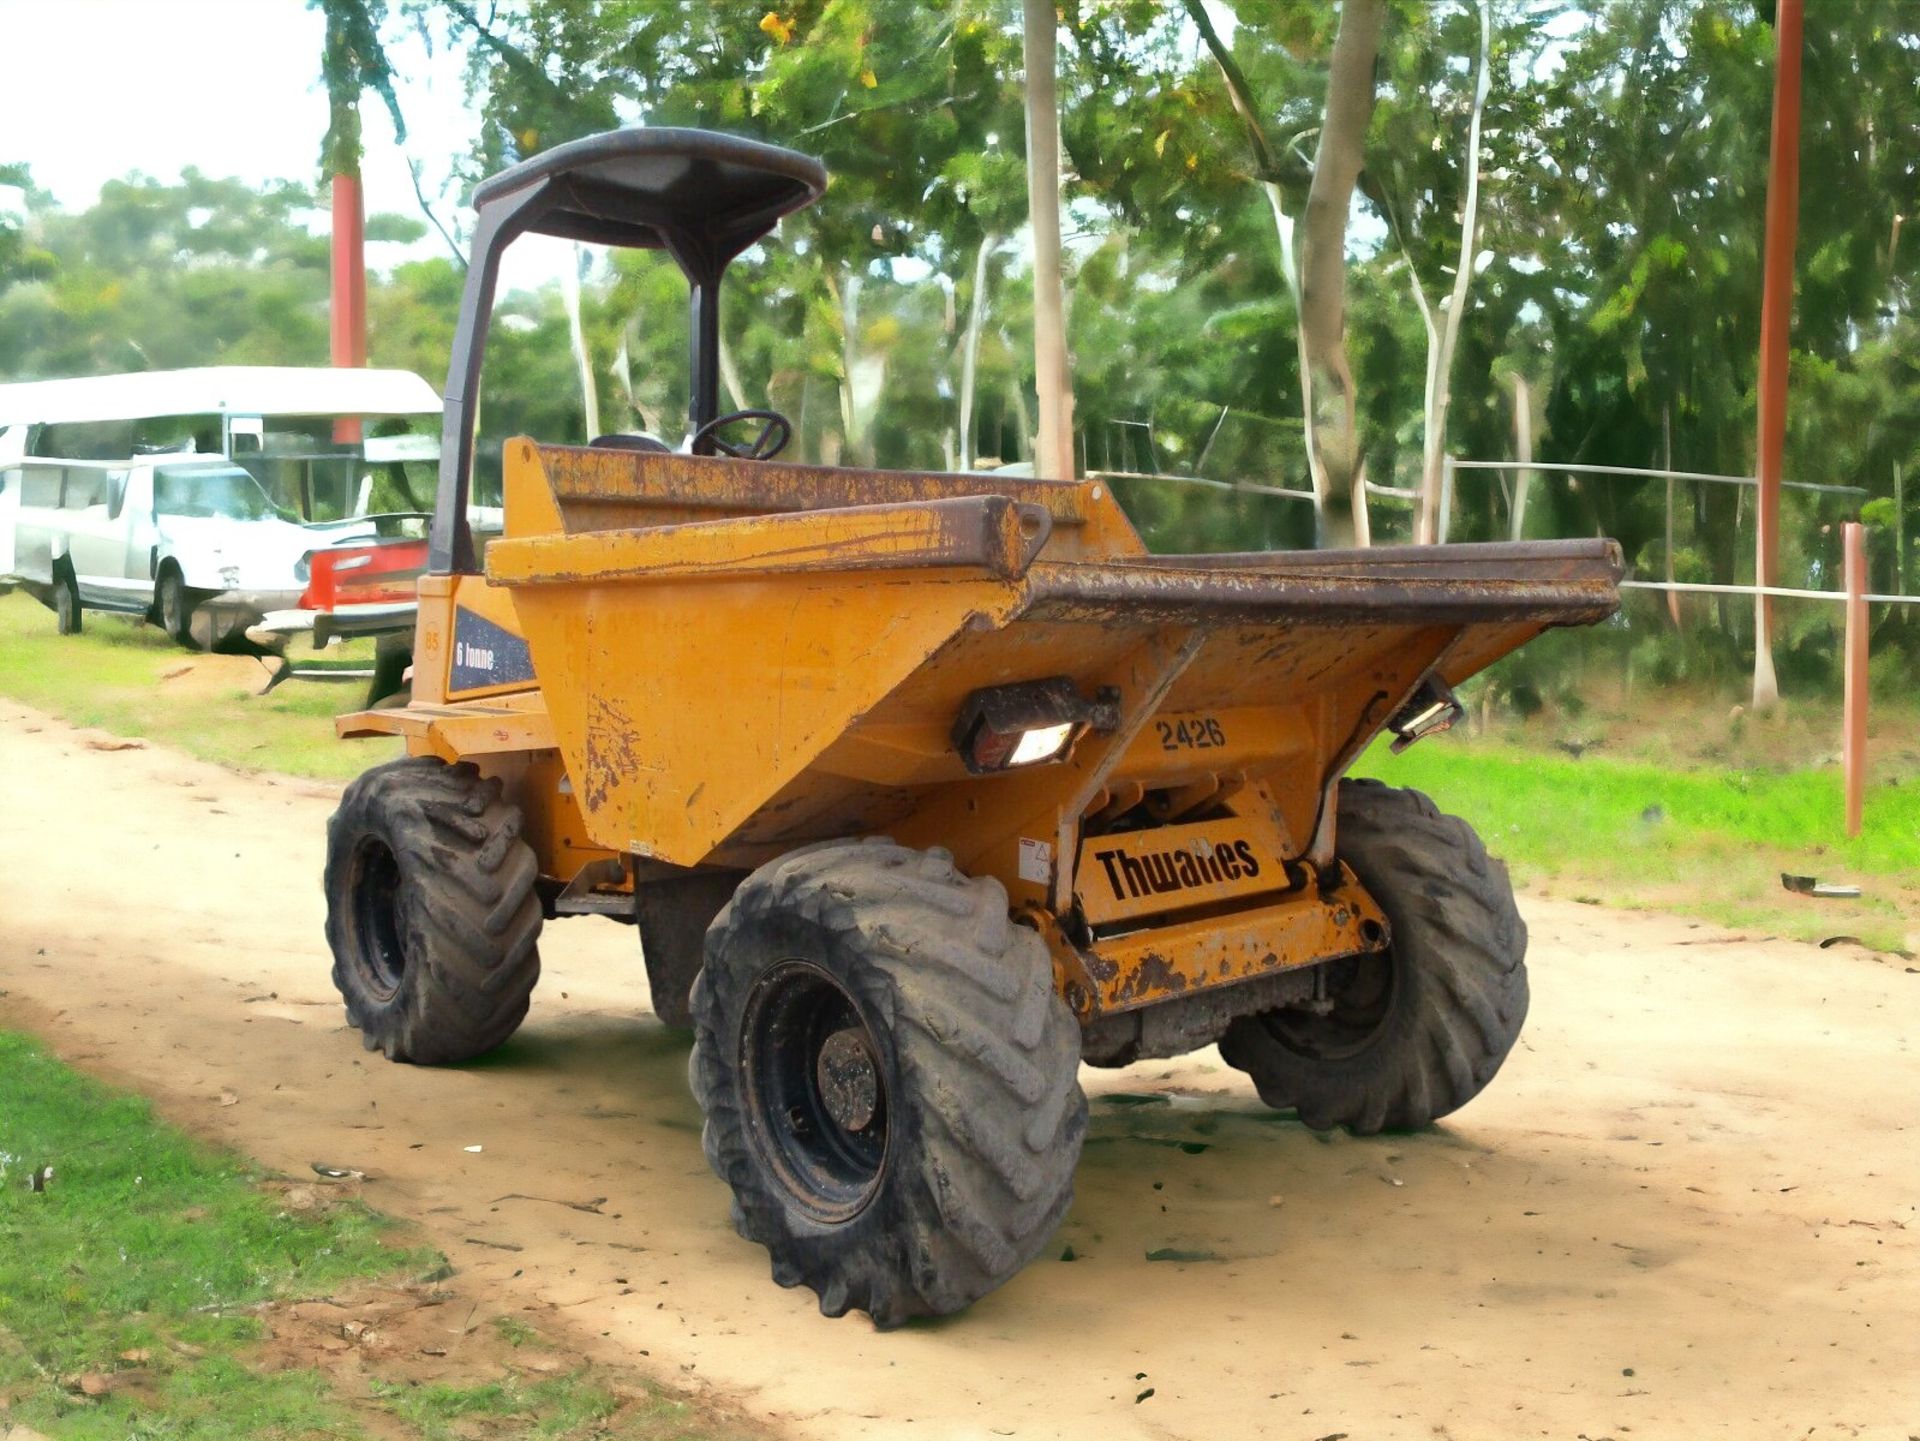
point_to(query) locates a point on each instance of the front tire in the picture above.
(890, 1084)
(431, 911)
(175, 609)
(1419, 1030)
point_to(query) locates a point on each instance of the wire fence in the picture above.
(1136, 457)
(1515, 479)
(1521, 471)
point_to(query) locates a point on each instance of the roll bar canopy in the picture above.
(700, 196)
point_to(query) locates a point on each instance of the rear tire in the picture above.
(431, 911)
(66, 602)
(672, 918)
(392, 659)
(1420, 1030)
(890, 1084)
(174, 608)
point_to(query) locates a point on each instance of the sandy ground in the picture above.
(1687, 1208)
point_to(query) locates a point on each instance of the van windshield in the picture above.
(226, 491)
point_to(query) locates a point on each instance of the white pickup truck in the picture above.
(191, 542)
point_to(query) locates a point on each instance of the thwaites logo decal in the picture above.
(1159, 873)
(486, 655)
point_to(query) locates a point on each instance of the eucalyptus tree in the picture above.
(907, 103)
(21, 255)
(154, 275)
(353, 60)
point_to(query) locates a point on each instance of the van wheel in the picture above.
(176, 610)
(890, 1085)
(66, 602)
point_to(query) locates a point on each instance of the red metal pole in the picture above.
(1854, 744)
(349, 312)
(1776, 315)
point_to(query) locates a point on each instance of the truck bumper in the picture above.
(1163, 962)
(276, 627)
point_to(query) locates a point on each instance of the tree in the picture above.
(198, 272)
(1611, 249)
(352, 62)
(1054, 452)
(21, 258)
(1443, 332)
(1333, 427)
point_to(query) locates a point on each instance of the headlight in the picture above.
(303, 567)
(1009, 726)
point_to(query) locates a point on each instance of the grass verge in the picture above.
(125, 1284)
(1708, 831)
(127, 677)
(156, 1288)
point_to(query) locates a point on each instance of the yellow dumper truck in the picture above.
(921, 790)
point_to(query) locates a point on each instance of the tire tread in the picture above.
(468, 910)
(988, 1063)
(1462, 943)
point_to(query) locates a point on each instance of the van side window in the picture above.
(40, 485)
(85, 488)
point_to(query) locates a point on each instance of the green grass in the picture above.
(144, 1242)
(1710, 841)
(148, 1260)
(514, 1331)
(568, 1406)
(116, 675)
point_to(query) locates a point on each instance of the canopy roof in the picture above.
(647, 186)
(263, 390)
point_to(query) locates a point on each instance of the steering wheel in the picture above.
(775, 431)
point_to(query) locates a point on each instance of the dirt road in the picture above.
(1687, 1208)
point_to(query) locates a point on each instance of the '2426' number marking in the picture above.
(1199, 733)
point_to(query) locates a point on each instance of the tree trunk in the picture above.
(623, 377)
(1441, 345)
(1285, 229)
(729, 375)
(1666, 453)
(863, 377)
(1332, 419)
(1022, 417)
(1522, 452)
(576, 332)
(1776, 323)
(1900, 537)
(1054, 456)
(970, 355)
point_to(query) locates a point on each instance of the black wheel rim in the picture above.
(814, 1090)
(379, 951)
(1362, 990)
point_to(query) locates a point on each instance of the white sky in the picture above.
(93, 89)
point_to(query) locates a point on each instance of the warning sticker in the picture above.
(1036, 860)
